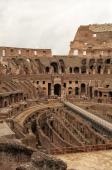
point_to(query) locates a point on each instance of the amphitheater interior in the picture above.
(36, 122)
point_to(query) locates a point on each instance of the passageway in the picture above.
(57, 89)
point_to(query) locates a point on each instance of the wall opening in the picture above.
(99, 69)
(110, 94)
(55, 67)
(91, 91)
(49, 89)
(83, 69)
(83, 88)
(70, 90)
(76, 91)
(47, 69)
(76, 52)
(96, 93)
(76, 70)
(57, 89)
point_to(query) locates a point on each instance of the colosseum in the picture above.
(56, 104)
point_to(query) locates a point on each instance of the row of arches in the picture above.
(61, 64)
(97, 61)
(83, 70)
(82, 89)
(99, 93)
(58, 66)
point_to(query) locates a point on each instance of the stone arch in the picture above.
(96, 93)
(5, 103)
(83, 88)
(76, 69)
(57, 89)
(55, 67)
(108, 61)
(100, 94)
(70, 90)
(83, 69)
(84, 61)
(110, 93)
(76, 91)
(91, 61)
(47, 69)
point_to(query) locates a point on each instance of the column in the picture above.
(52, 90)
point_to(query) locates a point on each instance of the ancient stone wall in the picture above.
(24, 52)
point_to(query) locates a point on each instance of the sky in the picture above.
(48, 23)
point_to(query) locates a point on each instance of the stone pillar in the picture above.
(87, 71)
(79, 70)
(94, 71)
(12, 98)
(101, 71)
(108, 72)
(59, 70)
(52, 90)
(62, 91)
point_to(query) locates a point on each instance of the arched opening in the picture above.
(55, 67)
(57, 89)
(83, 61)
(96, 93)
(99, 69)
(76, 69)
(83, 69)
(108, 61)
(47, 69)
(70, 90)
(76, 91)
(62, 65)
(91, 69)
(110, 94)
(83, 88)
(91, 62)
(100, 94)
(70, 70)
(5, 104)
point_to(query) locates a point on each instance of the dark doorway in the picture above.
(57, 89)
(91, 91)
(76, 70)
(55, 67)
(96, 93)
(47, 69)
(83, 88)
(49, 89)
(110, 94)
(76, 91)
(99, 69)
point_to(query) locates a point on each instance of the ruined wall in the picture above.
(25, 52)
(14, 155)
(92, 41)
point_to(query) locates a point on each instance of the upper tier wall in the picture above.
(24, 52)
